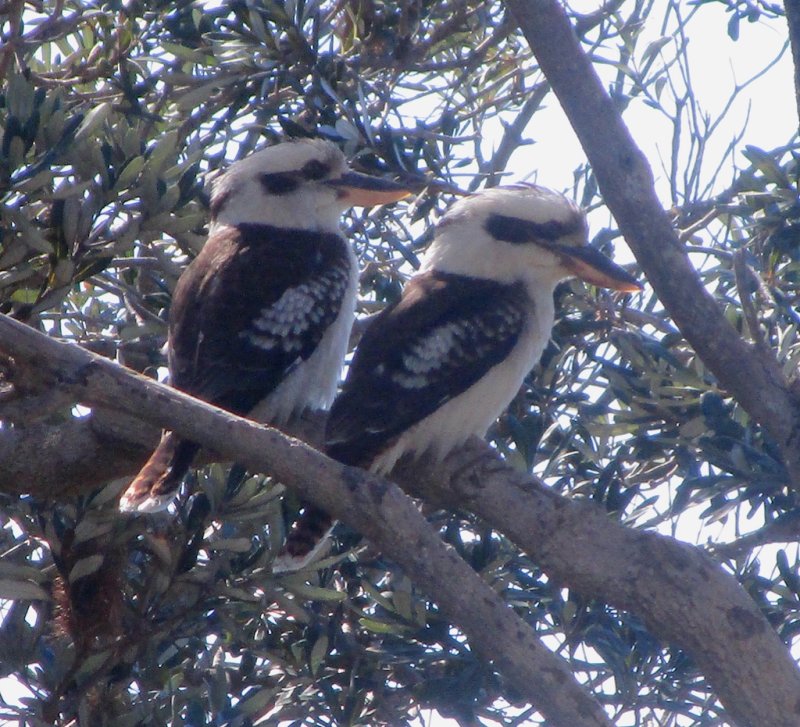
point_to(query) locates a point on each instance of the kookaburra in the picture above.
(443, 362)
(260, 320)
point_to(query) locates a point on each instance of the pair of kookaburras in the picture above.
(260, 320)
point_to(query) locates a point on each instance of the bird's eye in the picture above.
(315, 169)
(280, 183)
(507, 229)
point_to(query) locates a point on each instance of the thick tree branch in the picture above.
(792, 8)
(682, 594)
(378, 509)
(57, 461)
(625, 179)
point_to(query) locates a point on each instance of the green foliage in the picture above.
(113, 114)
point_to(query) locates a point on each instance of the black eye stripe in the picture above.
(315, 169)
(280, 183)
(518, 231)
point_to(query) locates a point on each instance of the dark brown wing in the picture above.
(252, 305)
(445, 333)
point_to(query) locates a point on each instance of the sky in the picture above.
(717, 65)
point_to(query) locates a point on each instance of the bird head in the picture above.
(302, 184)
(525, 233)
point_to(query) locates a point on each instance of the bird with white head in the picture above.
(442, 363)
(261, 318)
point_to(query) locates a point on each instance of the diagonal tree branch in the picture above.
(682, 594)
(375, 507)
(625, 179)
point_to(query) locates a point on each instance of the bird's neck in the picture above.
(301, 212)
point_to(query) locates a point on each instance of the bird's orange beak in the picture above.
(365, 191)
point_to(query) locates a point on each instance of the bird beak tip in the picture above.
(626, 287)
(590, 265)
(617, 280)
(637, 287)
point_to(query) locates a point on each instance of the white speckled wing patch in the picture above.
(428, 354)
(447, 346)
(301, 311)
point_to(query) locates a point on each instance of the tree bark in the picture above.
(683, 595)
(792, 8)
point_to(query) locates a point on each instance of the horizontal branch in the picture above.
(375, 507)
(753, 377)
(58, 461)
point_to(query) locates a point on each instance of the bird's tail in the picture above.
(307, 538)
(309, 534)
(159, 480)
